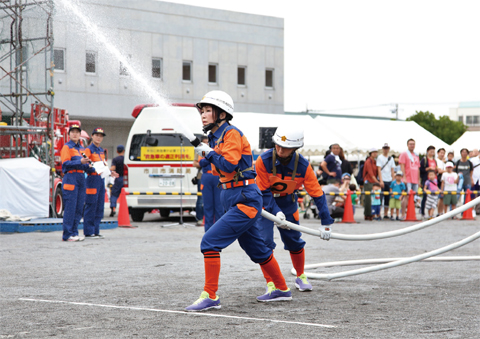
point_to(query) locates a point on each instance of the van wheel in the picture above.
(137, 214)
(164, 212)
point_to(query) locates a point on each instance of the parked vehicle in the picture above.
(156, 166)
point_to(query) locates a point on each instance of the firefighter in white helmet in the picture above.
(280, 172)
(231, 157)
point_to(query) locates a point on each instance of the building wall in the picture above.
(173, 32)
(468, 113)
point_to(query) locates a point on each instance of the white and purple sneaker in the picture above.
(302, 283)
(276, 295)
(204, 303)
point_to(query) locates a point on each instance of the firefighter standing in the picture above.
(212, 205)
(74, 166)
(95, 199)
(280, 172)
(232, 159)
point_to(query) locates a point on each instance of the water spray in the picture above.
(135, 73)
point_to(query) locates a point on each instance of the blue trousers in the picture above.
(199, 204)
(94, 205)
(291, 239)
(116, 190)
(73, 189)
(212, 205)
(243, 206)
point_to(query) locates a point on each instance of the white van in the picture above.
(154, 174)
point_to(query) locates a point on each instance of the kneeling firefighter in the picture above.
(281, 171)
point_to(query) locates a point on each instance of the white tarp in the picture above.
(24, 187)
(469, 140)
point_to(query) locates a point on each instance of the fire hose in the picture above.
(390, 262)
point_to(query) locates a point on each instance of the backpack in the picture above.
(359, 176)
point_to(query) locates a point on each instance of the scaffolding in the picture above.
(27, 80)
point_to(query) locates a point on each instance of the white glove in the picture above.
(203, 149)
(282, 223)
(325, 232)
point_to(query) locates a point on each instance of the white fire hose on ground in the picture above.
(390, 262)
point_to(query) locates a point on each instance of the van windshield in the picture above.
(160, 147)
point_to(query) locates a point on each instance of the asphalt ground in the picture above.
(136, 282)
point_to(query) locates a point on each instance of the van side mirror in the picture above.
(152, 141)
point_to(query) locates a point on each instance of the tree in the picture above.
(443, 128)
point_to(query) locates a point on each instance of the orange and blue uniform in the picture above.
(242, 202)
(95, 199)
(73, 187)
(212, 205)
(278, 184)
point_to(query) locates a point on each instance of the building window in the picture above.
(157, 68)
(241, 75)
(91, 62)
(212, 73)
(473, 120)
(123, 68)
(187, 71)
(59, 59)
(460, 118)
(269, 78)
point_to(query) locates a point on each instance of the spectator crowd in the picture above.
(439, 180)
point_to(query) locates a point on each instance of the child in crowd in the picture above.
(431, 186)
(355, 198)
(376, 201)
(399, 187)
(449, 185)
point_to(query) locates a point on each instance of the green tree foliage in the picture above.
(443, 128)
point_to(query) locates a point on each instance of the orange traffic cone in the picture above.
(468, 214)
(123, 215)
(106, 197)
(411, 215)
(348, 210)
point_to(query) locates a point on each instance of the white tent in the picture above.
(24, 187)
(317, 139)
(355, 135)
(469, 140)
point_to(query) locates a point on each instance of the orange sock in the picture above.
(273, 270)
(212, 272)
(298, 261)
(265, 274)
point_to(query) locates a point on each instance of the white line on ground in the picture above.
(176, 312)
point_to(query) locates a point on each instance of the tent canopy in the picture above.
(356, 136)
(469, 140)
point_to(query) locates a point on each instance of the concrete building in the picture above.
(180, 51)
(184, 51)
(468, 113)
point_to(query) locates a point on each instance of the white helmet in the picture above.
(288, 137)
(217, 98)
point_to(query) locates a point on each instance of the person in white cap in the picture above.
(370, 174)
(385, 165)
(449, 185)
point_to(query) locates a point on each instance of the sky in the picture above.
(339, 55)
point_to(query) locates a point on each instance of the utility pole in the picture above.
(395, 110)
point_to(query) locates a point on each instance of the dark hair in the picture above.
(376, 184)
(204, 137)
(441, 149)
(393, 156)
(430, 171)
(410, 140)
(352, 187)
(430, 147)
(466, 149)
